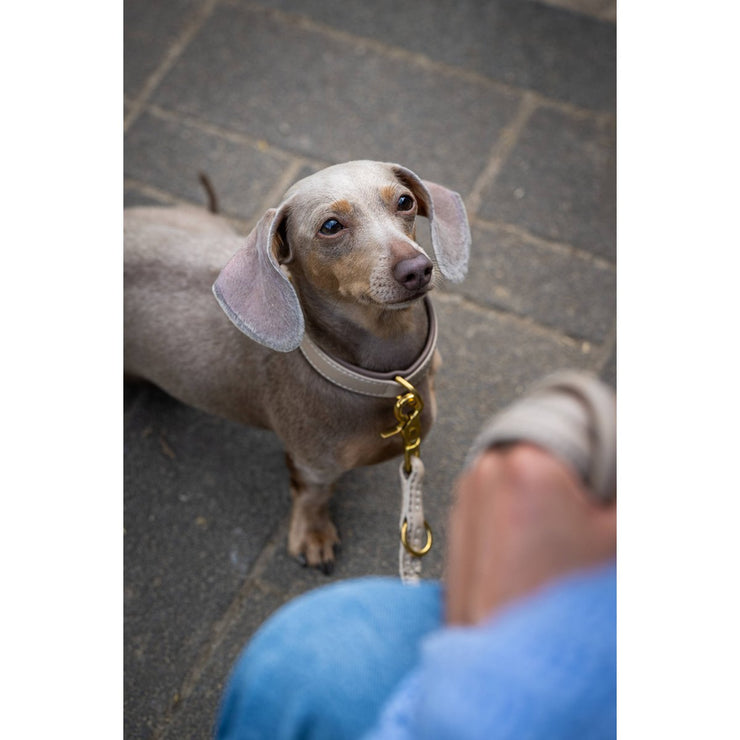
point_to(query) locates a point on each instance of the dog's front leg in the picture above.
(312, 535)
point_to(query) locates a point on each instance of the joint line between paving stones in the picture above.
(501, 150)
(240, 224)
(222, 626)
(153, 192)
(563, 248)
(275, 194)
(235, 137)
(603, 353)
(173, 54)
(522, 322)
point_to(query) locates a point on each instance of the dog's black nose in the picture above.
(415, 273)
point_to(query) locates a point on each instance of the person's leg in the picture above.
(324, 664)
(540, 488)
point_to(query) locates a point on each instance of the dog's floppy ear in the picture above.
(255, 293)
(448, 223)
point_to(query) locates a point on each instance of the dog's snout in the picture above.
(414, 273)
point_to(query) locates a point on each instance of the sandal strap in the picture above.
(572, 415)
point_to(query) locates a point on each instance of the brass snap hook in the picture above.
(407, 410)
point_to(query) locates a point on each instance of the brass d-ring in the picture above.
(424, 550)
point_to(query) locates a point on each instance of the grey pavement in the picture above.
(510, 102)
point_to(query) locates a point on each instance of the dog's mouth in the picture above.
(410, 300)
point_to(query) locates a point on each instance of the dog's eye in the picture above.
(405, 203)
(331, 227)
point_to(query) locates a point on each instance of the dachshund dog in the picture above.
(315, 312)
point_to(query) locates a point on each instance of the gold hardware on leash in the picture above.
(407, 411)
(404, 539)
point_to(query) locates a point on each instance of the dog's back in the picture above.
(171, 258)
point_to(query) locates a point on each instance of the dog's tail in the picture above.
(210, 192)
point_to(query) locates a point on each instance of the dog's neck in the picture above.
(368, 336)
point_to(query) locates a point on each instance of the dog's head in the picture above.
(350, 231)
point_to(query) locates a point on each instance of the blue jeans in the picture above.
(324, 664)
(373, 655)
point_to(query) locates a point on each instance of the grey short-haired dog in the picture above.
(315, 312)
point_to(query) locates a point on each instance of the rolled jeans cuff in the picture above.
(570, 414)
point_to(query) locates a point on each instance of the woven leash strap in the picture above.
(416, 537)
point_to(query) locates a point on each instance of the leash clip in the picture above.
(407, 410)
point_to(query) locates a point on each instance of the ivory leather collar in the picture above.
(367, 382)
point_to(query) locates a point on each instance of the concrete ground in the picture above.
(509, 102)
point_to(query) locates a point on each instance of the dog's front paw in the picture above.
(312, 542)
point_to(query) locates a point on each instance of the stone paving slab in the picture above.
(335, 99)
(487, 98)
(546, 49)
(560, 182)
